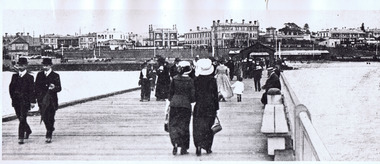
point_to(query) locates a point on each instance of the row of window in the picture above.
(198, 35)
(159, 36)
(208, 42)
(236, 28)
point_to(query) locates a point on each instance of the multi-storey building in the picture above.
(17, 47)
(374, 32)
(198, 38)
(49, 41)
(87, 41)
(163, 37)
(342, 36)
(103, 38)
(34, 43)
(232, 34)
(71, 42)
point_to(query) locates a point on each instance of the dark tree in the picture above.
(362, 27)
(291, 27)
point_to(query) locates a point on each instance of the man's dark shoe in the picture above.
(48, 140)
(20, 141)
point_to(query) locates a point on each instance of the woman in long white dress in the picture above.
(224, 85)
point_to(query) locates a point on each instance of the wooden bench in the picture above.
(274, 124)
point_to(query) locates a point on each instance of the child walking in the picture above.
(238, 88)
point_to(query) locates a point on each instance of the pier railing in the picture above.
(307, 145)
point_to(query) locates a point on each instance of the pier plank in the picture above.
(121, 127)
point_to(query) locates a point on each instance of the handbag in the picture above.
(217, 127)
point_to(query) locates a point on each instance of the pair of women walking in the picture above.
(183, 91)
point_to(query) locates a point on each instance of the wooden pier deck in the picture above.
(120, 127)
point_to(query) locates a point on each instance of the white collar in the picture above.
(47, 73)
(21, 74)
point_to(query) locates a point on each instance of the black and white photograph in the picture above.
(190, 81)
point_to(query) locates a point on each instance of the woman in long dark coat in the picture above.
(182, 94)
(207, 104)
(163, 80)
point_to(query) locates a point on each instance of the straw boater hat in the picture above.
(205, 67)
(185, 65)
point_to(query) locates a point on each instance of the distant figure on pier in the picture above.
(257, 73)
(206, 106)
(144, 82)
(238, 88)
(182, 94)
(272, 82)
(174, 68)
(48, 84)
(224, 84)
(21, 90)
(230, 64)
(163, 80)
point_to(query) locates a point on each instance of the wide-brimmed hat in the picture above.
(177, 59)
(204, 67)
(22, 61)
(185, 66)
(47, 61)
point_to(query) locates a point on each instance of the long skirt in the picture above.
(202, 133)
(179, 122)
(162, 90)
(224, 86)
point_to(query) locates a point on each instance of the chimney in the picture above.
(191, 30)
(27, 34)
(197, 28)
(22, 34)
(231, 20)
(213, 22)
(226, 20)
(114, 29)
(254, 22)
(17, 34)
(242, 21)
(6, 34)
(218, 21)
(250, 22)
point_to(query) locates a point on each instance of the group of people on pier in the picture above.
(195, 88)
(24, 92)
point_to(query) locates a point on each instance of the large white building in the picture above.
(104, 37)
(163, 37)
(231, 34)
(342, 36)
(198, 38)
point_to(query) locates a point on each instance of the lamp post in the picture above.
(62, 51)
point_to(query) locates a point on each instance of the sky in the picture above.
(39, 17)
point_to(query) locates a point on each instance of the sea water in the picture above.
(78, 85)
(344, 102)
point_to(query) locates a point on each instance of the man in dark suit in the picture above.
(273, 81)
(21, 90)
(48, 84)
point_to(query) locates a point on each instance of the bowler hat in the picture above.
(22, 61)
(47, 61)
